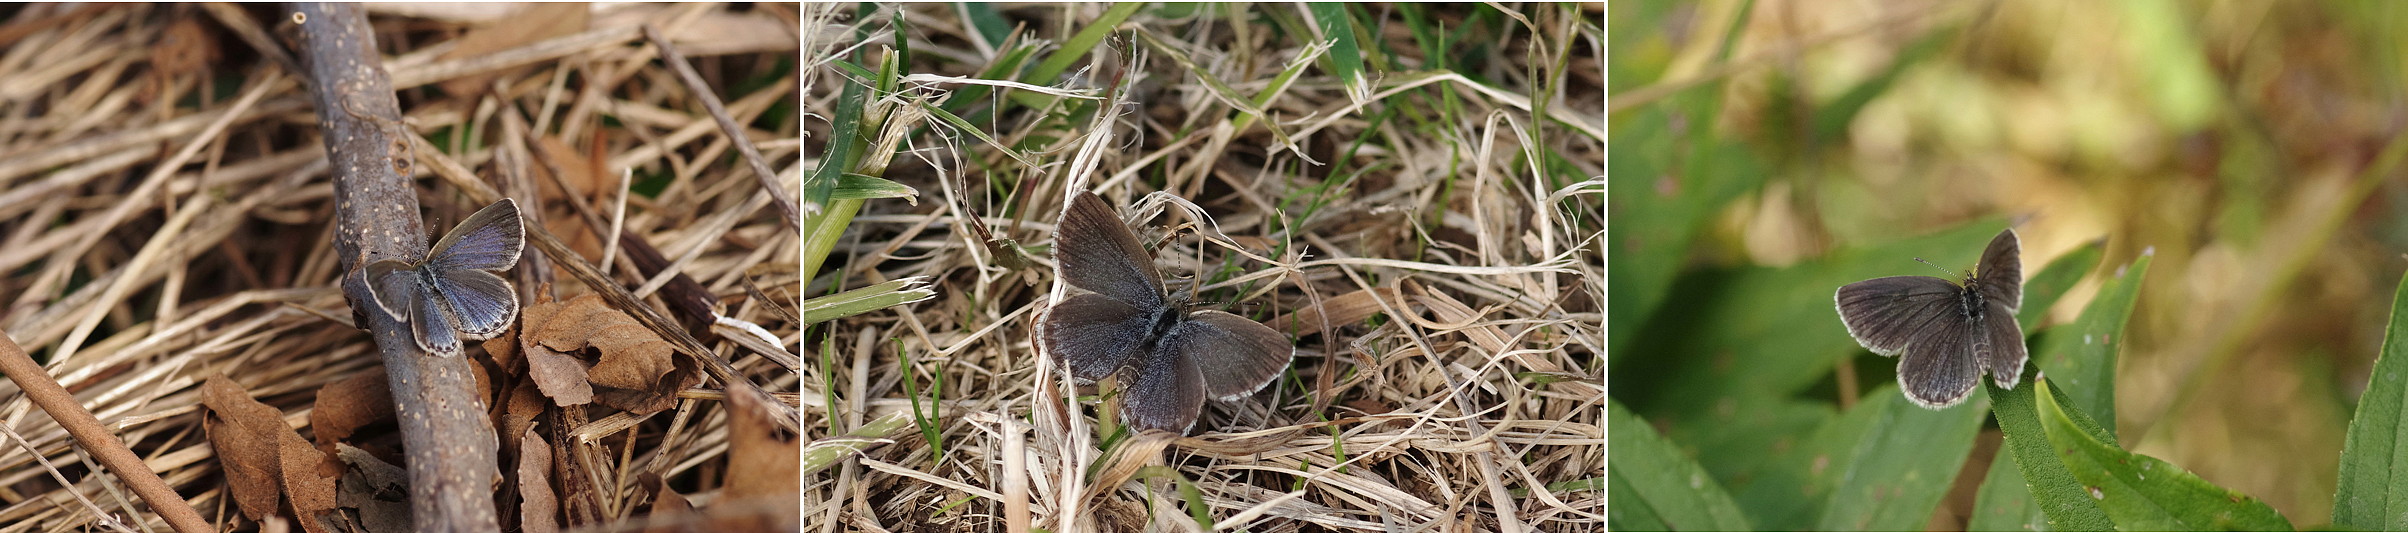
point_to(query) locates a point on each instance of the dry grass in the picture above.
(1443, 219)
(156, 230)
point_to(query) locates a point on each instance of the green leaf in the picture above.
(2041, 479)
(2082, 355)
(1668, 182)
(1654, 487)
(2373, 493)
(2002, 504)
(1345, 55)
(861, 187)
(1903, 466)
(2142, 493)
(866, 299)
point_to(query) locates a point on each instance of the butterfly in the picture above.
(1949, 332)
(1172, 358)
(453, 293)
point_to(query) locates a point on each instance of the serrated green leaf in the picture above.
(2044, 482)
(2142, 493)
(2372, 494)
(1654, 487)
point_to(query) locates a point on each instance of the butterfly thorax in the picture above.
(1970, 299)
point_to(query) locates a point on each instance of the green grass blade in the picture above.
(1331, 25)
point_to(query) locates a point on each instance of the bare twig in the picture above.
(97, 440)
(449, 443)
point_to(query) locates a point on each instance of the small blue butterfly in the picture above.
(453, 293)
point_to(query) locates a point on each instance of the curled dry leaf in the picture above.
(345, 406)
(525, 403)
(630, 367)
(539, 508)
(378, 491)
(265, 461)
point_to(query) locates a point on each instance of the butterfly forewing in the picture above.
(1093, 335)
(1939, 367)
(1240, 355)
(491, 239)
(393, 284)
(1097, 253)
(1885, 314)
(482, 302)
(2001, 271)
(1167, 395)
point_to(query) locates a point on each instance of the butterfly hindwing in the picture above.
(481, 304)
(1244, 355)
(1940, 367)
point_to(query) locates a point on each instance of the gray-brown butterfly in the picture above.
(1170, 357)
(1949, 332)
(453, 293)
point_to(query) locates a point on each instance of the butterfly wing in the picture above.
(481, 303)
(1885, 314)
(1940, 366)
(1244, 355)
(1093, 335)
(2001, 271)
(2004, 353)
(394, 284)
(491, 239)
(1167, 395)
(432, 329)
(1097, 253)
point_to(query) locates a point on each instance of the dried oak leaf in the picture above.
(345, 406)
(265, 461)
(626, 356)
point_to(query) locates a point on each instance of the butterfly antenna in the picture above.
(1920, 260)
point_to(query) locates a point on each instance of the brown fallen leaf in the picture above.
(265, 461)
(667, 504)
(561, 377)
(769, 460)
(627, 365)
(519, 411)
(345, 406)
(378, 491)
(539, 508)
